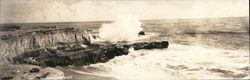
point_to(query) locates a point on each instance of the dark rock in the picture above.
(42, 76)
(141, 33)
(229, 74)
(221, 71)
(7, 78)
(34, 70)
(54, 27)
(10, 28)
(94, 37)
(152, 45)
(77, 55)
(45, 27)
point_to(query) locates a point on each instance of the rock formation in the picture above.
(69, 46)
(141, 33)
(78, 54)
(23, 41)
(9, 27)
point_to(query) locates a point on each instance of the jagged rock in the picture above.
(41, 38)
(78, 55)
(51, 36)
(152, 45)
(141, 33)
(34, 70)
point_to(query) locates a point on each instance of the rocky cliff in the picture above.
(23, 41)
(62, 47)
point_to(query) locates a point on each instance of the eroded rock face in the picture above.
(23, 41)
(69, 46)
(64, 54)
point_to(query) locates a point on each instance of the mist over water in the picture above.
(125, 28)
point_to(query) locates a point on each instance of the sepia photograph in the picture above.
(124, 39)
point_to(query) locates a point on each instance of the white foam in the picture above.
(125, 28)
(176, 62)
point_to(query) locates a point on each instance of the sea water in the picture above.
(197, 49)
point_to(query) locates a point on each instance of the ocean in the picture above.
(215, 48)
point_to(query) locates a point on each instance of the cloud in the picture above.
(81, 10)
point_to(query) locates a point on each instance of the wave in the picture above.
(176, 62)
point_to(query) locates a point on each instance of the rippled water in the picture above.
(198, 50)
(194, 53)
(176, 62)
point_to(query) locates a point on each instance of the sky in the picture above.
(28, 11)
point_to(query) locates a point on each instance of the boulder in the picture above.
(34, 70)
(141, 33)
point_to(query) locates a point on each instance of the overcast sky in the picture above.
(18, 11)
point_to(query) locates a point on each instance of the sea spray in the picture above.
(176, 62)
(125, 28)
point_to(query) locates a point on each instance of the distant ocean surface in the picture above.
(199, 49)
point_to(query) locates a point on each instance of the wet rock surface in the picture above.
(79, 54)
(229, 74)
(141, 33)
(152, 45)
(34, 70)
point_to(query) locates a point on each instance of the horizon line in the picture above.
(106, 21)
